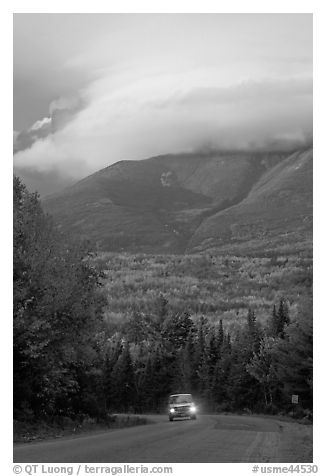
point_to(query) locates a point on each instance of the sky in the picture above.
(93, 89)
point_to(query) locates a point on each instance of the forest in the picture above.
(88, 343)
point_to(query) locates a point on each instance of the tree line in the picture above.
(257, 369)
(67, 362)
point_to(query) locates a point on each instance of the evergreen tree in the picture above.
(272, 326)
(293, 357)
(279, 320)
(253, 331)
(113, 351)
(220, 379)
(201, 332)
(243, 390)
(213, 352)
(163, 365)
(184, 376)
(220, 335)
(284, 319)
(144, 385)
(204, 379)
(123, 381)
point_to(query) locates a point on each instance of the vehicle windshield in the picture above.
(186, 398)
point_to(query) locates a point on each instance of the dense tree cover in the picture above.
(217, 286)
(257, 369)
(69, 361)
(57, 313)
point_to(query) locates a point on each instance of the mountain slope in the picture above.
(191, 202)
(276, 212)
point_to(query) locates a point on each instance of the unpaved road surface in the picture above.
(209, 439)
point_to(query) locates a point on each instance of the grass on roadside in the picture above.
(25, 432)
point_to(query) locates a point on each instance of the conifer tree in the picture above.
(113, 351)
(204, 379)
(243, 389)
(293, 356)
(145, 386)
(213, 352)
(220, 335)
(220, 380)
(123, 381)
(272, 327)
(279, 320)
(283, 316)
(163, 365)
(183, 381)
(253, 331)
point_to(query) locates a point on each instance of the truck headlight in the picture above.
(193, 409)
(172, 410)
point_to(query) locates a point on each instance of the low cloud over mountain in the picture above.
(115, 87)
(154, 117)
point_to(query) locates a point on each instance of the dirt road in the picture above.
(209, 439)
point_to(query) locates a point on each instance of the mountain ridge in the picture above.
(177, 203)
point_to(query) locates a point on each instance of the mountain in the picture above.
(277, 213)
(192, 202)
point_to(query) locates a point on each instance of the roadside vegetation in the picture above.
(95, 335)
(28, 431)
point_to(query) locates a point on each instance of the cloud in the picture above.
(248, 90)
(45, 183)
(41, 123)
(161, 113)
(61, 111)
(72, 103)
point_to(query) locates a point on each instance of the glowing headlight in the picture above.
(193, 409)
(172, 410)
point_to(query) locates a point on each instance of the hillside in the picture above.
(276, 212)
(191, 202)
